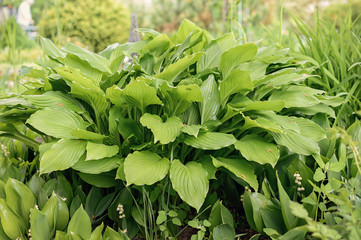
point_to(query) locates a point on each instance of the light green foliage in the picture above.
(80, 21)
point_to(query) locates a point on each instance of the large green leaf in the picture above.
(50, 49)
(237, 81)
(255, 148)
(80, 223)
(295, 98)
(239, 167)
(75, 62)
(163, 132)
(92, 95)
(190, 181)
(145, 168)
(87, 135)
(224, 231)
(57, 123)
(297, 143)
(210, 140)
(55, 100)
(214, 50)
(96, 151)
(186, 28)
(237, 55)
(137, 94)
(98, 166)
(211, 101)
(62, 155)
(95, 60)
(179, 98)
(158, 45)
(173, 70)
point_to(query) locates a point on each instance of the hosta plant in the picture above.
(182, 113)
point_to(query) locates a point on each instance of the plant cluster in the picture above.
(184, 133)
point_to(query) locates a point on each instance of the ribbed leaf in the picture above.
(192, 129)
(297, 143)
(237, 55)
(290, 220)
(75, 62)
(163, 132)
(96, 151)
(98, 166)
(276, 105)
(95, 60)
(239, 167)
(62, 155)
(179, 98)
(295, 98)
(262, 123)
(190, 181)
(255, 148)
(210, 140)
(158, 45)
(211, 101)
(50, 49)
(115, 95)
(83, 134)
(173, 70)
(139, 94)
(57, 123)
(237, 81)
(309, 128)
(145, 168)
(214, 50)
(92, 95)
(55, 100)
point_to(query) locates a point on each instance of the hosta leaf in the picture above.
(75, 62)
(92, 95)
(158, 45)
(179, 98)
(190, 181)
(211, 101)
(191, 129)
(214, 50)
(173, 70)
(255, 148)
(207, 164)
(276, 106)
(163, 132)
(62, 155)
(102, 180)
(237, 81)
(96, 151)
(87, 135)
(237, 55)
(224, 231)
(186, 28)
(145, 168)
(295, 98)
(98, 166)
(55, 100)
(57, 123)
(80, 223)
(140, 95)
(115, 95)
(297, 143)
(50, 49)
(262, 123)
(309, 128)
(239, 167)
(95, 60)
(210, 140)
(128, 127)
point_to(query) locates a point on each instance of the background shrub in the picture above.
(94, 23)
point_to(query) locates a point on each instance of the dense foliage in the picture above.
(186, 132)
(93, 23)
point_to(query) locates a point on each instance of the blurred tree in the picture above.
(93, 23)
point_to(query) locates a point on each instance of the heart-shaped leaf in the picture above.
(210, 140)
(237, 81)
(190, 181)
(255, 148)
(163, 132)
(57, 123)
(96, 151)
(145, 168)
(62, 155)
